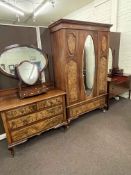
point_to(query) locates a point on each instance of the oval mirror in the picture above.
(110, 60)
(28, 72)
(14, 55)
(89, 65)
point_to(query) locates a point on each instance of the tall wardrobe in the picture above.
(80, 58)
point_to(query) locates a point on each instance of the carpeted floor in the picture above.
(96, 144)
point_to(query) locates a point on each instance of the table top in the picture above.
(14, 101)
(118, 78)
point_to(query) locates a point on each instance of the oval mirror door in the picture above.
(28, 72)
(89, 65)
(110, 60)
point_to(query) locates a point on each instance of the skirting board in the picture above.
(2, 136)
(125, 95)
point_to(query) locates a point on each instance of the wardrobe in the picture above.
(80, 58)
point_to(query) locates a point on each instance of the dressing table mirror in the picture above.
(30, 63)
(28, 72)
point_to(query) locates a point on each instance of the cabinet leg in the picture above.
(66, 126)
(104, 109)
(11, 151)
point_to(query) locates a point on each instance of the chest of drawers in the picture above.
(25, 118)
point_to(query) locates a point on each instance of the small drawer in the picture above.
(31, 118)
(21, 111)
(37, 128)
(49, 103)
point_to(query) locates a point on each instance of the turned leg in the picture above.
(11, 151)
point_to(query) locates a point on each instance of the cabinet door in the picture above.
(72, 80)
(88, 62)
(102, 62)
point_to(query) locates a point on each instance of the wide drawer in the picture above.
(37, 128)
(74, 112)
(31, 118)
(20, 111)
(49, 103)
(28, 109)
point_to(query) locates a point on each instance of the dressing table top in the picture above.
(10, 102)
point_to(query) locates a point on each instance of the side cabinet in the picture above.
(80, 53)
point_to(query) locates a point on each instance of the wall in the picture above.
(97, 11)
(116, 12)
(124, 26)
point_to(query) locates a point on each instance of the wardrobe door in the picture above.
(72, 68)
(102, 62)
(88, 64)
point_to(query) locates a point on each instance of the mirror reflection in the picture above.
(89, 65)
(28, 73)
(14, 55)
(110, 60)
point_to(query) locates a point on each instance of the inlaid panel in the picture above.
(104, 43)
(71, 43)
(49, 103)
(36, 128)
(31, 118)
(72, 81)
(83, 108)
(103, 75)
(21, 111)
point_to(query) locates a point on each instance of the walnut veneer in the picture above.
(29, 117)
(68, 40)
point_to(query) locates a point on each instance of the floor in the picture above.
(96, 144)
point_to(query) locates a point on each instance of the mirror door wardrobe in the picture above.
(89, 65)
(80, 52)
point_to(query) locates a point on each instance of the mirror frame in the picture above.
(16, 46)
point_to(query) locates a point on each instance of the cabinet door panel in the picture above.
(102, 62)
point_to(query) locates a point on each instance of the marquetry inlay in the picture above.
(104, 43)
(71, 42)
(72, 83)
(103, 75)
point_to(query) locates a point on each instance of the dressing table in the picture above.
(32, 108)
(28, 117)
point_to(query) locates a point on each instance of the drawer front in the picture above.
(49, 103)
(83, 108)
(117, 89)
(21, 111)
(37, 128)
(31, 118)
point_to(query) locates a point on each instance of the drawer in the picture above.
(20, 111)
(31, 118)
(117, 89)
(49, 102)
(87, 106)
(37, 128)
